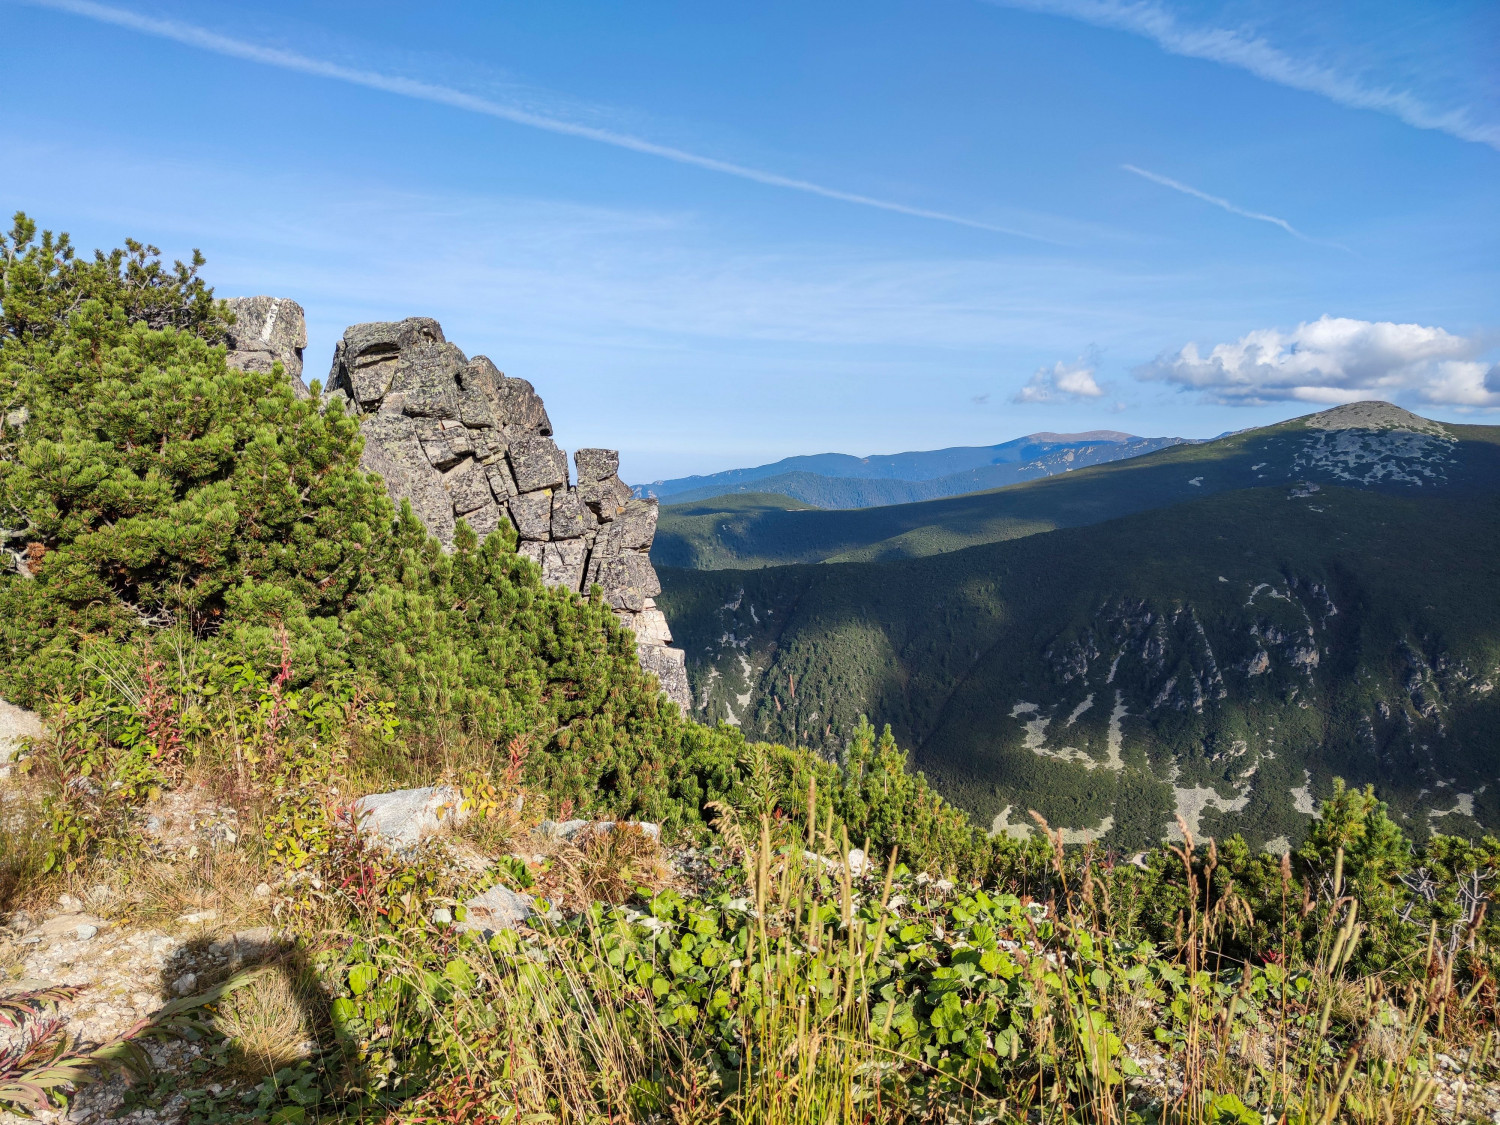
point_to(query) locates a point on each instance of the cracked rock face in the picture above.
(461, 440)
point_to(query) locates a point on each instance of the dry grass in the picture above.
(220, 882)
(267, 1025)
(23, 849)
(495, 830)
(607, 863)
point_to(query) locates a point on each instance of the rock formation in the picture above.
(267, 329)
(458, 439)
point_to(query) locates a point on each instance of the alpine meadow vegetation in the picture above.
(202, 592)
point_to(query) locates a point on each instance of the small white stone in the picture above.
(185, 983)
(442, 916)
(262, 890)
(85, 932)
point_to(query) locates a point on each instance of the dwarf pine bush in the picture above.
(162, 511)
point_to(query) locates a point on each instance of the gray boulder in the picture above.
(426, 378)
(517, 407)
(366, 359)
(408, 816)
(633, 528)
(650, 625)
(486, 519)
(16, 726)
(561, 562)
(669, 666)
(606, 498)
(499, 908)
(267, 330)
(502, 484)
(626, 579)
(596, 464)
(568, 829)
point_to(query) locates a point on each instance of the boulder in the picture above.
(499, 908)
(517, 408)
(596, 464)
(478, 394)
(650, 625)
(484, 520)
(502, 484)
(606, 498)
(394, 453)
(627, 579)
(267, 330)
(407, 816)
(445, 443)
(632, 529)
(366, 359)
(16, 726)
(426, 378)
(568, 829)
(562, 563)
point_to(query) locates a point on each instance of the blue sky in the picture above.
(713, 235)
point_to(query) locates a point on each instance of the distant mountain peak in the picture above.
(1088, 435)
(1373, 414)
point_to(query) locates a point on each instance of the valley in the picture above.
(1276, 608)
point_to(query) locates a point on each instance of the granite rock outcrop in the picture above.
(267, 329)
(461, 440)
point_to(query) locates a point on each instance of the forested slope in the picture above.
(1223, 658)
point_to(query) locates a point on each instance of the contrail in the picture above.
(1264, 60)
(202, 38)
(1177, 185)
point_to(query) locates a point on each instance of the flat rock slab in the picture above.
(499, 908)
(70, 927)
(408, 816)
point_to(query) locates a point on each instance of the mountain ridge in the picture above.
(838, 480)
(1371, 445)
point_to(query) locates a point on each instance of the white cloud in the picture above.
(1250, 52)
(1335, 360)
(1061, 381)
